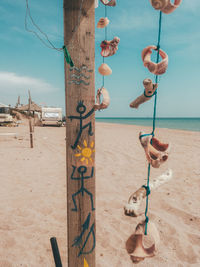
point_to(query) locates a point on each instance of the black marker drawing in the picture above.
(79, 78)
(82, 170)
(79, 239)
(83, 67)
(81, 109)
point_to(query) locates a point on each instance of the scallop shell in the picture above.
(102, 23)
(104, 69)
(159, 4)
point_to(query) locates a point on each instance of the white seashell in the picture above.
(104, 69)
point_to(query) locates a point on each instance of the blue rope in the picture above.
(103, 78)
(154, 122)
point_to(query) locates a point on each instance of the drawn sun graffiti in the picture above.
(86, 153)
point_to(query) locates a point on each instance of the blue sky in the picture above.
(25, 63)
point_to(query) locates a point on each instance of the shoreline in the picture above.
(98, 120)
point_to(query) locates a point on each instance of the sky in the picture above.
(25, 63)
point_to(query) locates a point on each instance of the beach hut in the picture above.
(33, 107)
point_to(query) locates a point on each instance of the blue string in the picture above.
(154, 121)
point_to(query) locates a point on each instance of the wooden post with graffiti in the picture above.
(79, 23)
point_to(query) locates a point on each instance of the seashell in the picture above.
(104, 69)
(106, 99)
(156, 68)
(171, 7)
(135, 244)
(102, 23)
(108, 2)
(149, 91)
(109, 48)
(156, 152)
(135, 200)
(159, 4)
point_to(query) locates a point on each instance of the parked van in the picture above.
(51, 116)
(5, 117)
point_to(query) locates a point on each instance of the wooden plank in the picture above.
(80, 132)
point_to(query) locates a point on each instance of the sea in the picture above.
(187, 124)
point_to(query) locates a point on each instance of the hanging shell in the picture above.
(171, 7)
(108, 2)
(135, 244)
(165, 5)
(104, 69)
(155, 151)
(106, 99)
(156, 68)
(159, 4)
(102, 23)
(109, 48)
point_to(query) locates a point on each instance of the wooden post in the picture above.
(30, 123)
(79, 23)
(31, 133)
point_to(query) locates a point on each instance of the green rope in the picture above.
(154, 122)
(68, 57)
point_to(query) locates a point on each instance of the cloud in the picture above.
(13, 83)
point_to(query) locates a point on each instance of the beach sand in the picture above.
(33, 196)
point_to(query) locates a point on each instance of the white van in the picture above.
(51, 116)
(5, 117)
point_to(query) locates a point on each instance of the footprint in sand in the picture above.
(189, 219)
(194, 239)
(4, 263)
(178, 243)
(7, 242)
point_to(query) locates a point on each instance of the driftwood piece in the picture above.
(150, 89)
(109, 48)
(105, 101)
(135, 200)
(102, 23)
(155, 68)
(136, 246)
(165, 5)
(155, 151)
(104, 69)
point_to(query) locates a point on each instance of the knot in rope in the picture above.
(158, 47)
(148, 191)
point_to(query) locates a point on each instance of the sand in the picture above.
(33, 196)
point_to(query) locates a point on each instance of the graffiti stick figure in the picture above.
(82, 170)
(81, 109)
(79, 239)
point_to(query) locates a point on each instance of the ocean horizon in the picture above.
(187, 124)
